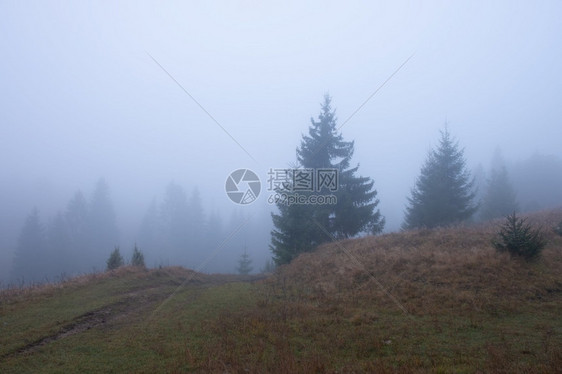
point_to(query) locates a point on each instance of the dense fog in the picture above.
(120, 123)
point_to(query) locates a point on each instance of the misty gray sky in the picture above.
(80, 97)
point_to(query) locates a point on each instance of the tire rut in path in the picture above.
(89, 320)
(139, 299)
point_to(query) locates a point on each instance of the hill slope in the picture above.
(421, 301)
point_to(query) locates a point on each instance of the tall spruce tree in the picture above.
(294, 232)
(213, 232)
(149, 235)
(499, 198)
(30, 256)
(195, 230)
(57, 247)
(444, 192)
(102, 225)
(174, 214)
(77, 221)
(300, 228)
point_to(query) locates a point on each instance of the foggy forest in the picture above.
(120, 127)
(280, 187)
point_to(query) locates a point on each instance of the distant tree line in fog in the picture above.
(79, 239)
(176, 230)
(71, 241)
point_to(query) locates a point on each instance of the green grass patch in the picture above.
(468, 310)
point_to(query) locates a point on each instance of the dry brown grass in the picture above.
(428, 271)
(420, 301)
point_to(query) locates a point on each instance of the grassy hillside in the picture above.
(421, 301)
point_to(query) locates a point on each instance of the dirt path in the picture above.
(81, 323)
(136, 301)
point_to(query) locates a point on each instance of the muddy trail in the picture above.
(80, 324)
(136, 305)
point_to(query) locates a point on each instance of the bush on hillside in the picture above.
(245, 264)
(519, 238)
(138, 258)
(115, 260)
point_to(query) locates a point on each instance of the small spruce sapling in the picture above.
(138, 258)
(519, 239)
(115, 260)
(245, 264)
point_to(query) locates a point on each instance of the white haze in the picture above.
(81, 98)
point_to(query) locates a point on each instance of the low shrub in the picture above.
(115, 260)
(519, 238)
